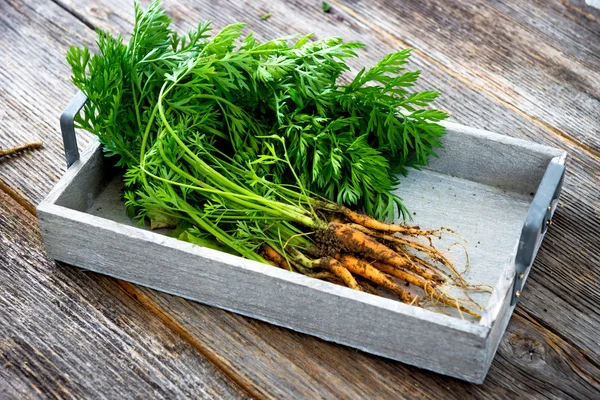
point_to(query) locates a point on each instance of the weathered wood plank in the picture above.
(304, 362)
(577, 11)
(298, 362)
(34, 37)
(68, 333)
(497, 57)
(549, 25)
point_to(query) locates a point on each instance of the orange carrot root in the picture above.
(355, 241)
(430, 251)
(367, 287)
(346, 247)
(372, 223)
(277, 259)
(324, 275)
(366, 270)
(404, 275)
(422, 269)
(339, 270)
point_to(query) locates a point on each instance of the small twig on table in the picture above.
(18, 149)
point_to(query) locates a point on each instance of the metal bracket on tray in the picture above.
(67, 127)
(539, 218)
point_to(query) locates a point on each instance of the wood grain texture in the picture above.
(302, 364)
(578, 12)
(498, 57)
(550, 25)
(66, 333)
(281, 363)
(34, 37)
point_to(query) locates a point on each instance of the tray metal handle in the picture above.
(67, 127)
(539, 218)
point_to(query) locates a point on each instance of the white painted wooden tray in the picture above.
(499, 193)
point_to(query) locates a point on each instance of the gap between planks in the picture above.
(564, 136)
(162, 315)
(79, 17)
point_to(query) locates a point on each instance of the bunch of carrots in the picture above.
(215, 140)
(365, 254)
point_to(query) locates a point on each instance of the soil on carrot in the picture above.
(329, 243)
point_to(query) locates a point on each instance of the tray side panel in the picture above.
(380, 326)
(498, 328)
(84, 180)
(492, 159)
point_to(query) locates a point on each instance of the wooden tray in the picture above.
(499, 193)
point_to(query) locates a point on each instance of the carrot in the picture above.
(354, 241)
(326, 276)
(277, 259)
(366, 270)
(404, 275)
(422, 269)
(335, 218)
(328, 263)
(338, 269)
(366, 286)
(323, 275)
(427, 286)
(372, 223)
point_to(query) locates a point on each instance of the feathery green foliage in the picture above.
(273, 109)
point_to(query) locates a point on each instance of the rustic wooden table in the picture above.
(527, 69)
